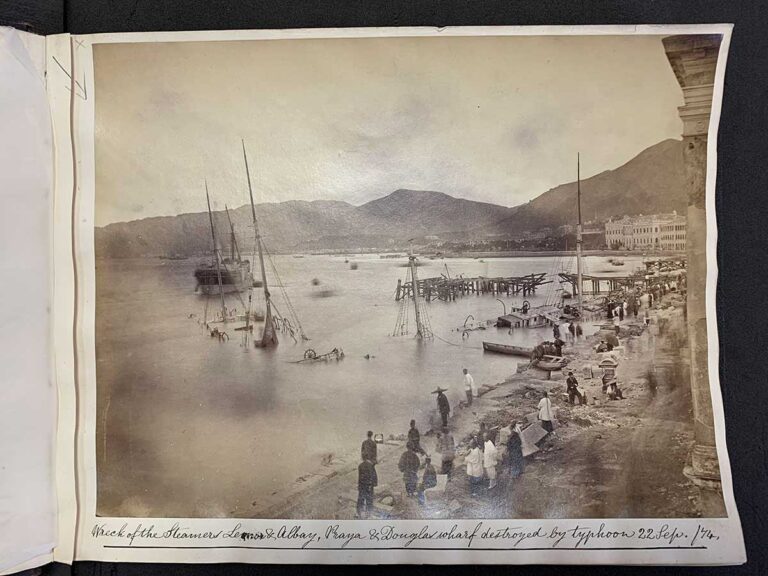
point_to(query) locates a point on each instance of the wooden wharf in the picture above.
(449, 289)
(601, 284)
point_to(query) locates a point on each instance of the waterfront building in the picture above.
(646, 232)
(673, 234)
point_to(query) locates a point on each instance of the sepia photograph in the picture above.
(404, 277)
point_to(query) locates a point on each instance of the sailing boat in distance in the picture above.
(221, 271)
(223, 275)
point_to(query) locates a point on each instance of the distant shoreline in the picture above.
(533, 254)
(452, 255)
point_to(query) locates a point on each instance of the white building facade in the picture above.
(651, 232)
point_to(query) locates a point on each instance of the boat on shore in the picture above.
(507, 349)
(548, 362)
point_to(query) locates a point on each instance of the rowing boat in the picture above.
(552, 362)
(507, 349)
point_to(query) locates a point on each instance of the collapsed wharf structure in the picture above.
(448, 289)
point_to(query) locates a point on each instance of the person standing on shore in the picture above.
(515, 450)
(556, 331)
(367, 480)
(469, 387)
(474, 461)
(572, 330)
(447, 449)
(579, 331)
(545, 413)
(443, 406)
(409, 465)
(572, 387)
(414, 438)
(368, 450)
(428, 479)
(558, 344)
(490, 457)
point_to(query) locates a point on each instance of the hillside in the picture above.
(300, 225)
(651, 182)
(418, 213)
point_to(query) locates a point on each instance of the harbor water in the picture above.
(190, 426)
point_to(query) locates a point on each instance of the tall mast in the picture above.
(579, 282)
(233, 248)
(215, 252)
(256, 228)
(269, 336)
(415, 286)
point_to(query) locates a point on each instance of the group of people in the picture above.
(573, 329)
(409, 465)
(487, 450)
(484, 456)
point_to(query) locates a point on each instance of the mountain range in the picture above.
(651, 182)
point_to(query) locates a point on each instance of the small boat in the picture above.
(548, 362)
(616, 262)
(507, 349)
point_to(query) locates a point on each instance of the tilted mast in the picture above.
(579, 283)
(269, 336)
(215, 252)
(233, 248)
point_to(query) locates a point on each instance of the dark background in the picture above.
(742, 197)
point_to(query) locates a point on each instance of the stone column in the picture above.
(693, 60)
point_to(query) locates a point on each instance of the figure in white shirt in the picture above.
(469, 387)
(490, 459)
(474, 462)
(545, 413)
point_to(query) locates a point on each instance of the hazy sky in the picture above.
(496, 119)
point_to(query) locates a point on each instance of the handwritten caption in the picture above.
(477, 535)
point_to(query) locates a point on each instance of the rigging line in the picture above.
(242, 302)
(458, 345)
(289, 304)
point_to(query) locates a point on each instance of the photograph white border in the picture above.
(728, 549)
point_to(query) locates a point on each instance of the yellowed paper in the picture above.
(254, 211)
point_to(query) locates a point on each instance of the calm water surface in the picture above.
(192, 427)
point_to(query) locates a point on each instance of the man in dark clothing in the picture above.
(369, 449)
(579, 331)
(414, 438)
(573, 389)
(537, 353)
(443, 406)
(367, 479)
(556, 331)
(558, 344)
(428, 479)
(621, 312)
(572, 330)
(409, 466)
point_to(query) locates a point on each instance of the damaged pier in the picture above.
(448, 289)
